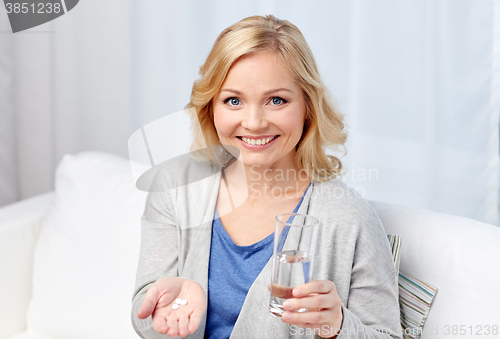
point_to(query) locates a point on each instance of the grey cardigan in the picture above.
(352, 251)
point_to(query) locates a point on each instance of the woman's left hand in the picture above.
(324, 308)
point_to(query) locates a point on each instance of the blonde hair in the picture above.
(324, 125)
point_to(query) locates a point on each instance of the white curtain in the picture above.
(419, 82)
(65, 87)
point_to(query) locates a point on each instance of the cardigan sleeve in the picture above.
(372, 310)
(158, 254)
(370, 293)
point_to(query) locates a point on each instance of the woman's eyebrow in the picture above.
(266, 93)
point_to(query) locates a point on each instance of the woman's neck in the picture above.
(284, 180)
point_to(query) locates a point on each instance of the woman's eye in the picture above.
(278, 101)
(232, 101)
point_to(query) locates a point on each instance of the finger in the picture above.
(317, 301)
(159, 322)
(183, 323)
(172, 324)
(149, 303)
(306, 325)
(281, 291)
(311, 318)
(316, 286)
(324, 331)
(195, 320)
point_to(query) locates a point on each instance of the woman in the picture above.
(209, 242)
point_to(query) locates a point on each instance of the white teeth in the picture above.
(257, 141)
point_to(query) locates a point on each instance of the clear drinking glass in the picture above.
(292, 261)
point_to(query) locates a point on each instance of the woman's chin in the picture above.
(256, 160)
(263, 162)
(266, 159)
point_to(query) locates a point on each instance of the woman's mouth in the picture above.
(257, 144)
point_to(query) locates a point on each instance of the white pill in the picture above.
(178, 301)
(184, 302)
(175, 306)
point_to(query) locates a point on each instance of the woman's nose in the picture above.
(254, 119)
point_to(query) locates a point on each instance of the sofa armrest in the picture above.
(19, 227)
(459, 257)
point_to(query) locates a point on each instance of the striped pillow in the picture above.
(415, 296)
(415, 299)
(395, 243)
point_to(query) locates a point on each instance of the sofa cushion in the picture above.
(87, 252)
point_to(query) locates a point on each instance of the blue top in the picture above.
(232, 270)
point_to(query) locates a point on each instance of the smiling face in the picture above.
(261, 111)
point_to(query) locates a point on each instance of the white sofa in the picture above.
(68, 258)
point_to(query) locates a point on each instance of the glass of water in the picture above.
(292, 261)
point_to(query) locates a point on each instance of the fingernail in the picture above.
(287, 316)
(297, 293)
(287, 304)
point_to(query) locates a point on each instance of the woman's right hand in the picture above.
(159, 300)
